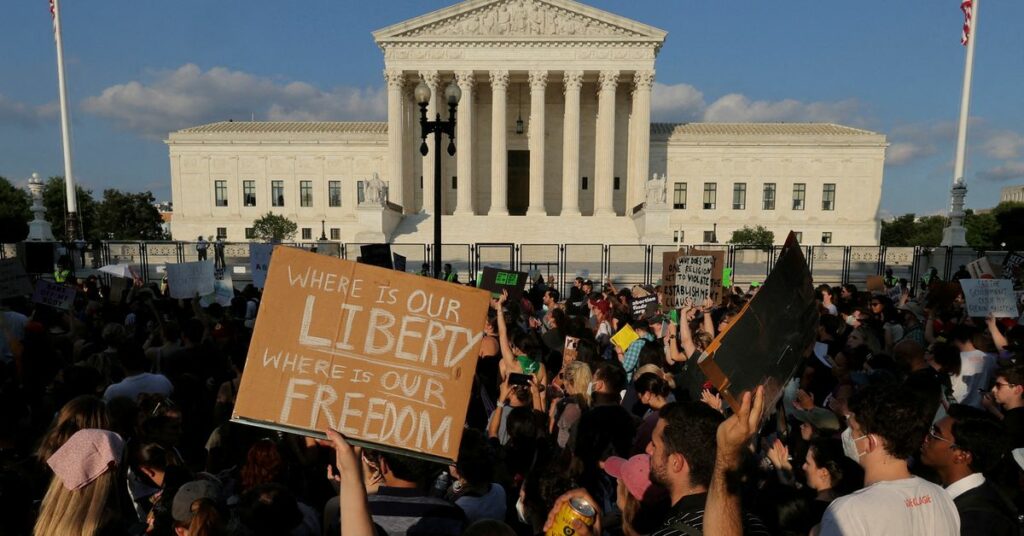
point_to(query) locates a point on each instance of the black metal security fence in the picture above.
(625, 264)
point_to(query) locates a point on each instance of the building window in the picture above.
(334, 193)
(616, 182)
(583, 183)
(222, 232)
(678, 236)
(679, 196)
(455, 182)
(277, 193)
(739, 196)
(799, 195)
(768, 202)
(710, 195)
(799, 236)
(709, 237)
(220, 188)
(306, 193)
(421, 182)
(828, 197)
(250, 233)
(360, 192)
(307, 233)
(826, 238)
(335, 233)
(249, 193)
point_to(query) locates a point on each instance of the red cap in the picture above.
(634, 472)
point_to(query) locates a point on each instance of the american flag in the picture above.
(54, 15)
(965, 6)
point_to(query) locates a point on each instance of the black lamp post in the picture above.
(452, 94)
(323, 230)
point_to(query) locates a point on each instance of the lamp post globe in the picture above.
(452, 94)
(422, 93)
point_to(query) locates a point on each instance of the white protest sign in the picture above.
(190, 278)
(980, 268)
(259, 263)
(53, 294)
(692, 279)
(984, 296)
(223, 292)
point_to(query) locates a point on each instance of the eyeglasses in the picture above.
(875, 304)
(1000, 385)
(934, 434)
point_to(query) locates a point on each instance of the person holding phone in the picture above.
(516, 351)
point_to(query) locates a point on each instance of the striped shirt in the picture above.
(689, 511)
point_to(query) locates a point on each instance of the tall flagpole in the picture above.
(955, 234)
(71, 221)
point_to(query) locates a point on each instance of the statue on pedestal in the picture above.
(655, 190)
(374, 192)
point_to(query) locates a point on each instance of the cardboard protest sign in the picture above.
(13, 279)
(188, 279)
(496, 280)
(698, 276)
(984, 296)
(386, 358)
(53, 294)
(398, 261)
(377, 255)
(980, 269)
(569, 350)
(876, 283)
(223, 292)
(259, 262)
(624, 337)
(767, 341)
(669, 267)
(645, 307)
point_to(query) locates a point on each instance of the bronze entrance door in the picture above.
(518, 182)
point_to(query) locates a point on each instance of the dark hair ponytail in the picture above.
(650, 382)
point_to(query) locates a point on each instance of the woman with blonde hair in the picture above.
(79, 413)
(82, 498)
(566, 413)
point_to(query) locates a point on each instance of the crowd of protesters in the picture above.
(906, 418)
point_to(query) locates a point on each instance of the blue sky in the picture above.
(138, 69)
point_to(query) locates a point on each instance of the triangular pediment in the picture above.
(513, 20)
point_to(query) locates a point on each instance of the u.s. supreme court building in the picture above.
(555, 144)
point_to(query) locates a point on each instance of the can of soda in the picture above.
(576, 508)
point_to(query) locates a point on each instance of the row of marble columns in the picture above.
(608, 81)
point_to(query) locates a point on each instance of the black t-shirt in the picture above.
(690, 511)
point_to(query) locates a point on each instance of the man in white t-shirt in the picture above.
(886, 427)
(136, 380)
(976, 368)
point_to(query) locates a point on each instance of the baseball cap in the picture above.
(635, 473)
(820, 418)
(189, 493)
(85, 456)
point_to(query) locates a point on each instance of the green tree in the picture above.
(757, 236)
(908, 230)
(14, 201)
(274, 228)
(129, 216)
(56, 208)
(981, 229)
(1010, 218)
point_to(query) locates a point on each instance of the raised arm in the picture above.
(997, 338)
(722, 513)
(709, 323)
(356, 518)
(506, 348)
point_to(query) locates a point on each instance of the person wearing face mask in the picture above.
(886, 427)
